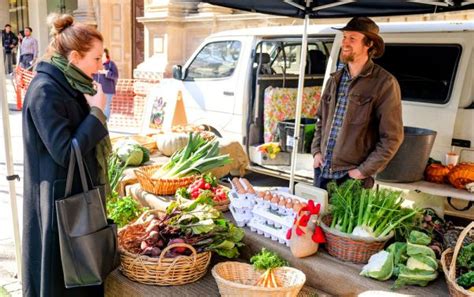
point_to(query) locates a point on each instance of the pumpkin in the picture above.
(169, 143)
(461, 175)
(436, 173)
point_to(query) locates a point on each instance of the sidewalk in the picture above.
(9, 284)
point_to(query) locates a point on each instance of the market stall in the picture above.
(195, 224)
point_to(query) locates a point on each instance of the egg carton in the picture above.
(241, 215)
(275, 214)
(261, 227)
(277, 217)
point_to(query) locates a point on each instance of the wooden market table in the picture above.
(323, 272)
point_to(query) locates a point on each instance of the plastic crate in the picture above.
(286, 131)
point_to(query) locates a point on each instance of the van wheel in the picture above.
(212, 129)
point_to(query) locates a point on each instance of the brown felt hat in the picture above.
(370, 29)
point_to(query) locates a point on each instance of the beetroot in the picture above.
(177, 250)
(151, 251)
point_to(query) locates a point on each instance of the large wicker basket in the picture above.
(239, 279)
(165, 271)
(160, 186)
(448, 261)
(351, 248)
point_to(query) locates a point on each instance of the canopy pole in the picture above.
(299, 101)
(9, 162)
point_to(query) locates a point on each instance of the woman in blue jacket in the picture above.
(107, 77)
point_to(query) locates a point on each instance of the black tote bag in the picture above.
(87, 240)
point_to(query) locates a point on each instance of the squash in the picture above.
(437, 173)
(461, 175)
(169, 143)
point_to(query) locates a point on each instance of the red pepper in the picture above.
(288, 234)
(318, 235)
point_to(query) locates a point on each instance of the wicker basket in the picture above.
(448, 261)
(351, 248)
(165, 271)
(239, 279)
(160, 186)
(222, 206)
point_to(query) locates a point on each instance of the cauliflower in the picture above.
(380, 266)
(130, 152)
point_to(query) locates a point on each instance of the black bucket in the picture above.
(409, 163)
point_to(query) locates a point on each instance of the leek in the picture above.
(197, 157)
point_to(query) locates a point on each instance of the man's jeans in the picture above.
(108, 105)
(25, 61)
(8, 60)
(322, 182)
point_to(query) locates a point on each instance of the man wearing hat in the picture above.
(359, 126)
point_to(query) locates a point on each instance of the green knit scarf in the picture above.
(82, 83)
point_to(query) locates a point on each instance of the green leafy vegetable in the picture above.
(417, 237)
(124, 210)
(422, 262)
(466, 280)
(466, 257)
(267, 260)
(414, 277)
(418, 249)
(198, 157)
(367, 212)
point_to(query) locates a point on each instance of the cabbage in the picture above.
(417, 237)
(380, 266)
(418, 277)
(418, 249)
(422, 262)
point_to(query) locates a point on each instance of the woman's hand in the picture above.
(98, 100)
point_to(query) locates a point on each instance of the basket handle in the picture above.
(190, 247)
(139, 173)
(452, 266)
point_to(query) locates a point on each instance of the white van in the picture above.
(226, 81)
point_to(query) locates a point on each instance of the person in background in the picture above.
(28, 49)
(107, 77)
(360, 124)
(62, 103)
(9, 42)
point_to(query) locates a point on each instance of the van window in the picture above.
(425, 72)
(317, 53)
(215, 60)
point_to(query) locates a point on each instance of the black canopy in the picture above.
(340, 9)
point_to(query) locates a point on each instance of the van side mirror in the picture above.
(177, 72)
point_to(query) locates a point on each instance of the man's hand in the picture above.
(318, 160)
(356, 174)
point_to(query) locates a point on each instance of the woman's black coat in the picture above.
(53, 114)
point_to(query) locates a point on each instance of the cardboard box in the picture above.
(282, 158)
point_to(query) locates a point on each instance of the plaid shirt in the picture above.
(341, 107)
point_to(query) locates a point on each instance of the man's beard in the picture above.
(346, 59)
